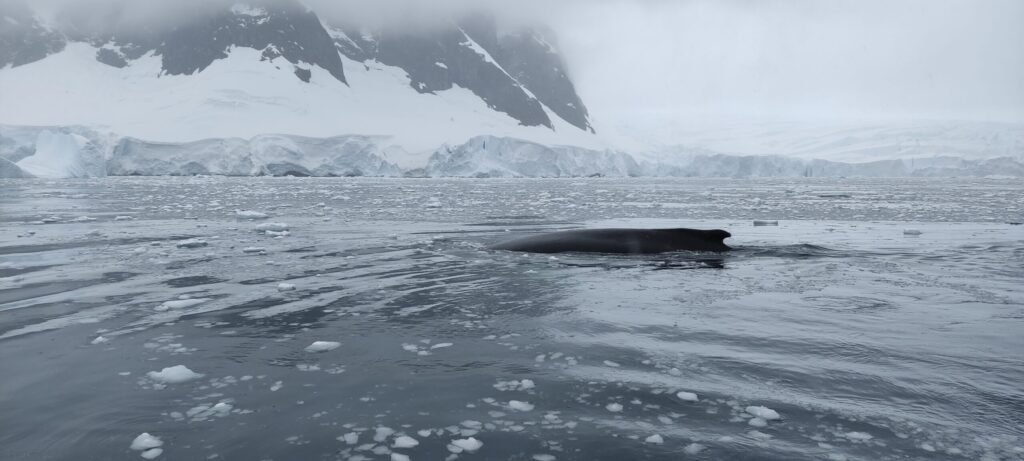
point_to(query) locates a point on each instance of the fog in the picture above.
(653, 60)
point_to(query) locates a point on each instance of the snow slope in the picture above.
(242, 97)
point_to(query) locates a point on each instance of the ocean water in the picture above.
(879, 319)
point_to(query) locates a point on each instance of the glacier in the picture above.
(69, 152)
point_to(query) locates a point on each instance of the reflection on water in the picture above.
(866, 343)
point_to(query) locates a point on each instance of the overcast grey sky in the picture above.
(865, 59)
(795, 59)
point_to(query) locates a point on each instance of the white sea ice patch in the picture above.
(441, 345)
(469, 444)
(251, 250)
(858, 436)
(350, 438)
(272, 226)
(285, 287)
(514, 385)
(693, 448)
(655, 439)
(174, 375)
(181, 303)
(276, 386)
(152, 453)
(611, 364)
(544, 457)
(322, 346)
(250, 214)
(614, 407)
(757, 422)
(399, 457)
(381, 433)
(520, 405)
(145, 441)
(404, 441)
(763, 412)
(686, 396)
(192, 243)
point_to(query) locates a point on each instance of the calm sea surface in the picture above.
(880, 319)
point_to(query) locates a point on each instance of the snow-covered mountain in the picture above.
(278, 67)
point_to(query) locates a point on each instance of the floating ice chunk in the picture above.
(611, 364)
(272, 227)
(763, 412)
(911, 232)
(614, 407)
(123, 218)
(249, 214)
(655, 439)
(145, 441)
(322, 346)
(350, 438)
(757, 422)
(276, 386)
(152, 453)
(250, 250)
(440, 345)
(192, 243)
(404, 441)
(544, 457)
(100, 340)
(693, 448)
(858, 436)
(759, 222)
(468, 444)
(174, 375)
(399, 457)
(285, 287)
(519, 405)
(382, 433)
(181, 303)
(686, 396)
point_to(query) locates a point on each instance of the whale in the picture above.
(621, 241)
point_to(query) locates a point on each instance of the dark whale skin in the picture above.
(621, 241)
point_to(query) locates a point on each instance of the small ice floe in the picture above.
(100, 340)
(145, 441)
(174, 375)
(276, 386)
(400, 457)
(693, 448)
(254, 250)
(123, 218)
(612, 364)
(764, 413)
(858, 436)
(350, 438)
(757, 422)
(468, 444)
(686, 396)
(152, 453)
(404, 441)
(441, 345)
(520, 405)
(250, 214)
(82, 219)
(514, 385)
(758, 222)
(285, 287)
(544, 457)
(180, 304)
(191, 243)
(613, 407)
(323, 346)
(271, 227)
(655, 439)
(911, 232)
